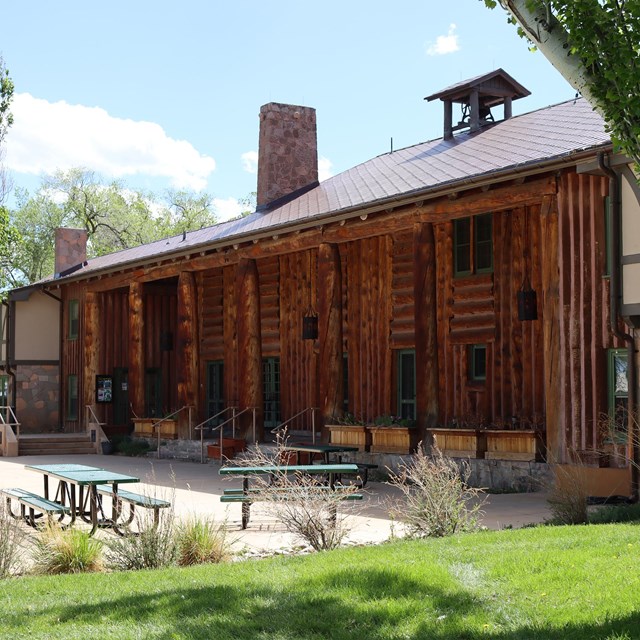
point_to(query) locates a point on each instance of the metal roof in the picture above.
(518, 145)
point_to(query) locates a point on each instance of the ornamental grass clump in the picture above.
(436, 498)
(10, 543)
(202, 541)
(58, 550)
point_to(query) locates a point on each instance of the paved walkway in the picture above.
(195, 489)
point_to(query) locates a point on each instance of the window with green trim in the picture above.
(473, 245)
(618, 389)
(74, 319)
(72, 397)
(478, 362)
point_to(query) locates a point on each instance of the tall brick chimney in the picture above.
(71, 249)
(287, 153)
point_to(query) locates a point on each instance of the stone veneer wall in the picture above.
(37, 392)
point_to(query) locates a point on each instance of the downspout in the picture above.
(614, 317)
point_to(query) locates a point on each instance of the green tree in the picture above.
(595, 45)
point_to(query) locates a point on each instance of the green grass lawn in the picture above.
(547, 582)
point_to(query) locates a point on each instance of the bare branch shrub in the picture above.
(436, 498)
(304, 504)
(568, 495)
(11, 537)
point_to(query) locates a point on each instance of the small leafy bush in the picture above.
(58, 550)
(202, 541)
(615, 513)
(129, 446)
(436, 499)
(10, 542)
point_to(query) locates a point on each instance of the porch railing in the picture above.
(283, 425)
(155, 425)
(9, 432)
(233, 420)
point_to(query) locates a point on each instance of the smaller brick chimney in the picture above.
(287, 153)
(71, 249)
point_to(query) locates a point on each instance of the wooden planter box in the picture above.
(230, 448)
(144, 427)
(392, 439)
(352, 435)
(525, 445)
(460, 443)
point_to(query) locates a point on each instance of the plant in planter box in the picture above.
(393, 434)
(350, 431)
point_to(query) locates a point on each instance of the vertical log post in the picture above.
(426, 329)
(92, 344)
(136, 349)
(331, 371)
(187, 350)
(250, 391)
(551, 329)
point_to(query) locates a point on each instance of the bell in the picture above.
(310, 327)
(527, 304)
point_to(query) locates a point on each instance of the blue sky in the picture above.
(164, 95)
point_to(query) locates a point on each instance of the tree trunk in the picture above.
(187, 350)
(136, 349)
(91, 347)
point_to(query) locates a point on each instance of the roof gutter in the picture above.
(489, 178)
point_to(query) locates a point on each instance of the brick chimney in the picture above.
(71, 249)
(287, 153)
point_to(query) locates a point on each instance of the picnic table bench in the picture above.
(36, 504)
(134, 500)
(247, 494)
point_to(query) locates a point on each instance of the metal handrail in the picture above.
(95, 435)
(5, 412)
(283, 425)
(232, 419)
(155, 423)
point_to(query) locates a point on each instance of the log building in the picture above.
(463, 282)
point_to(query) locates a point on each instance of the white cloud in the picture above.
(47, 136)
(250, 161)
(226, 209)
(444, 44)
(325, 167)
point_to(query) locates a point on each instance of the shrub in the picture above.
(299, 502)
(129, 446)
(58, 550)
(202, 541)
(10, 542)
(568, 496)
(615, 513)
(436, 499)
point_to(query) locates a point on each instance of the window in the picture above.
(407, 384)
(74, 319)
(473, 245)
(215, 391)
(478, 362)
(618, 389)
(271, 388)
(72, 397)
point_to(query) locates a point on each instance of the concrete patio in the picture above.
(195, 489)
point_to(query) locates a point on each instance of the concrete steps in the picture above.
(55, 444)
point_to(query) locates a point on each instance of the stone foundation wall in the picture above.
(37, 392)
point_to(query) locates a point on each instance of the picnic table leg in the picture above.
(245, 505)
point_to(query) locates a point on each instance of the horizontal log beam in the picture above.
(442, 210)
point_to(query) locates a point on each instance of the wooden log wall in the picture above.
(210, 301)
(229, 312)
(369, 289)
(269, 271)
(482, 309)
(402, 293)
(160, 317)
(115, 337)
(298, 361)
(72, 357)
(584, 311)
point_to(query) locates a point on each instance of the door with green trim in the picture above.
(120, 396)
(215, 391)
(407, 384)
